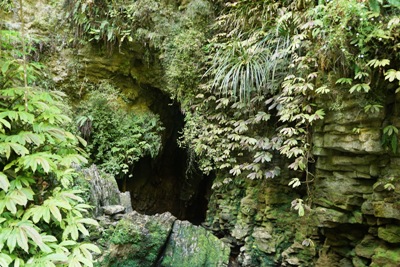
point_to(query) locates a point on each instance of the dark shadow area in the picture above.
(171, 182)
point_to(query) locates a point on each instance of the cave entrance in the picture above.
(169, 182)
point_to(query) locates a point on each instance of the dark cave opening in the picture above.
(165, 183)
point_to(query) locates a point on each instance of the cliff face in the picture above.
(355, 212)
(356, 185)
(354, 192)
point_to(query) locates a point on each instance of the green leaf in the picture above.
(5, 260)
(378, 63)
(344, 81)
(32, 161)
(295, 182)
(392, 74)
(22, 239)
(55, 212)
(91, 247)
(68, 160)
(12, 241)
(5, 148)
(74, 262)
(322, 90)
(5, 123)
(360, 87)
(56, 257)
(5, 67)
(375, 6)
(395, 3)
(361, 75)
(4, 183)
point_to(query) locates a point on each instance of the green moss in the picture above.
(194, 246)
(388, 257)
(135, 244)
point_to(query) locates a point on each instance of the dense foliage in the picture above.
(270, 67)
(167, 32)
(117, 138)
(254, 89)
(41, 216)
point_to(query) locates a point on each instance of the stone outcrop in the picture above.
(162, 240)
(356, 186)
(191, 245)
(256, 220)
(355, 213)
(104, 193)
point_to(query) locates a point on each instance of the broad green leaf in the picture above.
(56, 257)
(344, 81)
(322, 90)
(18, 262)
(32, 162)
(5, 260)
(295, 182)
(4, 183)
(12, 240)
(74, 232)
(361, 75)
(5, 66)
(82, 141)
(68, 243)
(392, 74)
(26, 117)
(360, 87)
(46, 214)
(22, 239)
(91, 247)
(12, 115)
(82, 229)
(5, 123)
(74, 262)
(49, 238)
(55, 212)
(5, 149)
(375, 6)
(37, 212)
(378, 63)
(68, 160)
(395, 3)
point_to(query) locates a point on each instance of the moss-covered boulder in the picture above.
(390, 233)
(191, 245)
(161, 240)
(138, 240)
(386, 256)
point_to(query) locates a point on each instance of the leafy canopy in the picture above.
(41, 217)
(117, 138)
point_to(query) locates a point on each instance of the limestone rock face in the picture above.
(162, 240)
(113, 209)
(191, 245)
(355, 215)
(138, 240)
(104, 193)
(356, 189)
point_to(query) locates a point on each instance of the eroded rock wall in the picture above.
(356, 186)
(354, 220)
(255, 218)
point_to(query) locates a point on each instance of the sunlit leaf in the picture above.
(4, 183)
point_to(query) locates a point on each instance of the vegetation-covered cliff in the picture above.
(274, 124)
